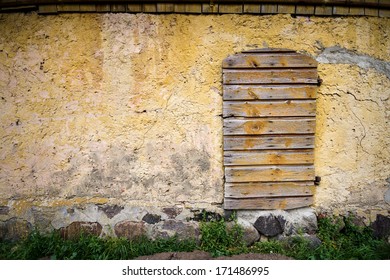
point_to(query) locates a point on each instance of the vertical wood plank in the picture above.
(230, 9)
(286, 9)
(165, 8)
(103, 8)
(210, 9)
(47, 9)
(252, 8)
(150, 8)
(304, 10)
(269, 9)
(87, 8)
(134, 8)
(323, 11)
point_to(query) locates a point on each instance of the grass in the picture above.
(340, 240)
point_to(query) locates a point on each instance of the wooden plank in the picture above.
(87, 8)
(304, 10)
(323, 11)
(242, 143)
(286, 9)
(103, 8)
(269, 9)
(210, 8)
(150, 8)
(252, 8)
(268, 203)
(276, 108)
(188, 8)
(356, 11)
(268, 157)
(230, 9)
(269, 126)
(267, 60)
(266, 189)
(371, 12)
(134, 8)
(341, 11)
(269, 50)
(118, 8)
(165, 7)
(278, 76)
(65, 8)
(384, 13)
(47, 9)
(278, 173)
(250, 92)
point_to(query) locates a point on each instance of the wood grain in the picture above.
(268, 142)
(266, 189)
(278, 173)
(267, 157)
(267, 60)
(269, 126)
(266, 92)
(268, 76)
(282, 108)
(285, 203)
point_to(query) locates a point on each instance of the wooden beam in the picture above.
(270, 76)
(269, 126)
(277, 173)
(285, 203)
(268, 157)
(244, 143)
(266, 92)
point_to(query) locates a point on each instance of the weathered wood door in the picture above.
(269, 107)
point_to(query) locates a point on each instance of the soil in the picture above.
(200, 255)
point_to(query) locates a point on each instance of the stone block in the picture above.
(75, 229)
(130, 230)
(270, 225)
(14, 229)
(151, 218)
(381, 227)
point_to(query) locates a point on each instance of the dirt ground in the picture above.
(200, 255)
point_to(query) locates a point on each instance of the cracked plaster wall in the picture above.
(124, 109)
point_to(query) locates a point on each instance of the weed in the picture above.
(340, 239)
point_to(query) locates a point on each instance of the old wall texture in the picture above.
(105, 117)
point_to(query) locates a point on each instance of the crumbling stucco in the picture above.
(123, 109)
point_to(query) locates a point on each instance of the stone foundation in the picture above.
(134, 222)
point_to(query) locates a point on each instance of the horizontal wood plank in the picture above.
(234, 174)
(268, 76)
(266, 189)
(269, 50)
(282, 108)
(267, 60)
(267, 142)
(260, 92)
(285, 203)
(269, 126)
(268, 157)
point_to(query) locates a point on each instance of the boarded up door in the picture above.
(269, 112)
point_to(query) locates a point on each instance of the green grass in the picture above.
(340, 240)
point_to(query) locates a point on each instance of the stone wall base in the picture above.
(133, 222)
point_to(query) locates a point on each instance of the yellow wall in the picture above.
(126, 109)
